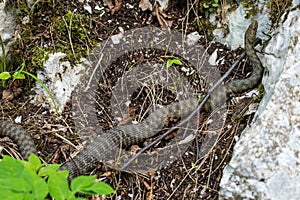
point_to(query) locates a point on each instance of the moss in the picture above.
(205, 26)
(277, 9)
(52, 26)
(251, 8)
(72, 36)
(207, 7)
(39, 56)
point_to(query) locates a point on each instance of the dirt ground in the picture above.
(190, 176)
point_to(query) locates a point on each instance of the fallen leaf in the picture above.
(8, 95)
(145, 5)
(108, 3)
(134, 149)
(106, 174)
(17, 91)
(118, 6)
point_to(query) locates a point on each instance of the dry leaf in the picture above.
(8, 95)
(108, 3)
(106, 174)
(17, 91)
(134, 149)
(118, 6)
(145, 5)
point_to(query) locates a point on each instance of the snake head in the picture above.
(250, 34)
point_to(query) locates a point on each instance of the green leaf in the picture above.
(176, 61)
(173, 61)
(18, 75)
(10, 167)
(87, 185)
(35, 161)
(205, 5)
(48, 170)
(10, 195)
(40, 190)
(14, 184)
(4, 75)
(38, 186)
(58, 186)
(82, 182)
(99, 188)
(169, 63)
(201, 96)
(19, 180)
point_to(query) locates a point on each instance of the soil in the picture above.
(190, 176)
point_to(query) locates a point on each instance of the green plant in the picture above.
(32, 180)
(211, 5)
(71, 30)
(19, 74)
(174, 60)
(277, 8)
(208, 5)
(4, 75)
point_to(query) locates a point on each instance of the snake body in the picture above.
(103, 146)
(19, 136)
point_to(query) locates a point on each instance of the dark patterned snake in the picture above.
(127, 135)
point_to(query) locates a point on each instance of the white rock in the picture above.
(237, 25)
(60, 78)
(163, 4)
(7, 26)
(265, 163)
(88, 8)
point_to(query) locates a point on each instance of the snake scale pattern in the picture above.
(127, 135)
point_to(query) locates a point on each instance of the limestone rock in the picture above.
(265, 163)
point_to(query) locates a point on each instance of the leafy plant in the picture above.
(4, 75)
(20, 74)
(210, 5)
(173, 61)
(32, 180)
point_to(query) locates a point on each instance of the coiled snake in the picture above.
(130, 134)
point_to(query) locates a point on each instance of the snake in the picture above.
(127, 135)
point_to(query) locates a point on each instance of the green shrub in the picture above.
(32, 180)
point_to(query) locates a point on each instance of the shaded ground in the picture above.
(189, 177)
